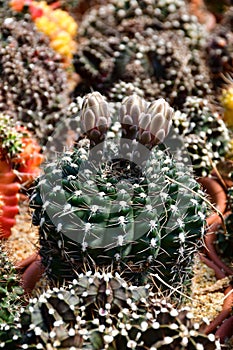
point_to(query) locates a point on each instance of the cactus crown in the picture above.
(10, 137)
(121, 202)
(204, 134)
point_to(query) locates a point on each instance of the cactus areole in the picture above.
(122, 202)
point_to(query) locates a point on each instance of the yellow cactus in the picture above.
(65, 21)
(44, 25)
(230, 152)
(227, 103)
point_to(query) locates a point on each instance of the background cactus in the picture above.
(11, 301)
(137, 42)
(57, 24)
(204, 134)
(125, 204)
(33, 84)
(102, 311)
(219, 50)
(20, 159)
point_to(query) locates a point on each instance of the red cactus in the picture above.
(20, 166)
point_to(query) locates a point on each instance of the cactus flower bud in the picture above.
(155, 124)
(95, 117)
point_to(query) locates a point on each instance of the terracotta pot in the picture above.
(32, 270)
(223, 315)
(225, 331)
(218, 197)
(9, 197)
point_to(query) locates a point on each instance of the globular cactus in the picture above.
(136, 42)
(204, 134)
(20, 159)
(11, 303)
(219, 50)
(102, 311)
(33, 84)
(123, 203)
(54, 22)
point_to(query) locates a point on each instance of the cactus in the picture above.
(204, 134)
(57, 24)
(124, 203)
(19, 163)
(33, 84)
(11, 303)
(137, 42)
(219, 50)
(102, 311)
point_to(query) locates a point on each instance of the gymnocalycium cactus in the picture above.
(156, 45)
(102, 311)
(204, 134)
(33, 84)
(124, 203)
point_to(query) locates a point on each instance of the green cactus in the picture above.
(10, 137)
(11, 303)
(204, 134)
(102, 311)
(122, 203)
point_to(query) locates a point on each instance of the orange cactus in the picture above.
(29, 159)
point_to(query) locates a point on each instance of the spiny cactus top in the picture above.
(124, 203)
(33, 85)
(102, 311)
(204, 134)
(18, 147)
(154, 44)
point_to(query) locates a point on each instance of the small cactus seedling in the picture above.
(102, 311)
(124, 203)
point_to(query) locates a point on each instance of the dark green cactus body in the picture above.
(133, 207)
(204, 134)
(102, 311)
